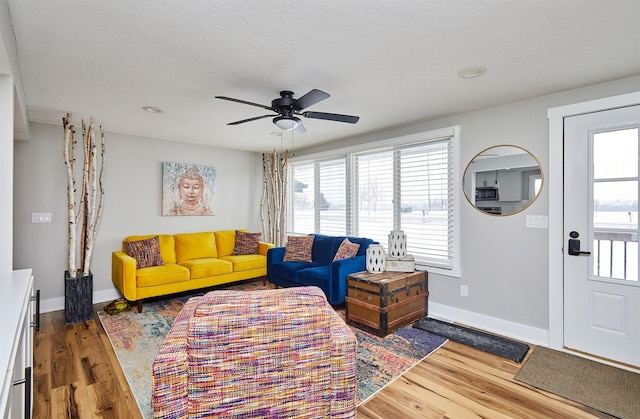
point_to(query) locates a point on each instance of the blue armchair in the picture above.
(322, 271)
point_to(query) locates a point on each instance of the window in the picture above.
(406, 184)
(615, 181)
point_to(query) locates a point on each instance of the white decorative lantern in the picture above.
(397, 244)
(376, 258)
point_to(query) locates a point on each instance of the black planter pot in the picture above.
(78, 298)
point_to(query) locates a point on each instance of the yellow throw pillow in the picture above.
(225, 240)
(195, 246)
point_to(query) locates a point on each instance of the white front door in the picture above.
(601, 189)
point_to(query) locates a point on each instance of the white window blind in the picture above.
(369, 193)
(331, 210)
(426, 195)
(375, 179)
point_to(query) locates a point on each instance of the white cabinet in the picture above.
(17, 321)
(511, 186)
(486, 179)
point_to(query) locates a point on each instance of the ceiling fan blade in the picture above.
(246, 103)
(300, 129)
(350, 119)
(251, 119)
(311, 98)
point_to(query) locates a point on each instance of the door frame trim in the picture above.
(556, 202)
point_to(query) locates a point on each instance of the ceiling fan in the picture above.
(286, 107)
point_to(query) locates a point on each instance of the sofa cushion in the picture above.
(246, 243)
(324, 248)
(160, 275)
(195, 246)
(298, 249)
(289, 270)
(318, 276)
(146, 252)
(246, 262)
(204, 267)
(225, 240)
(346, 250)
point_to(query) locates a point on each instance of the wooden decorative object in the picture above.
(85, 216)
(382, 303)
(274, 196)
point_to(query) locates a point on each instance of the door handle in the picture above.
(574, 245)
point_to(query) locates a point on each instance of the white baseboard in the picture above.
(502, 327)
(443, 312)
(56, 304)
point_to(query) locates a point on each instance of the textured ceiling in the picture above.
(390, 62)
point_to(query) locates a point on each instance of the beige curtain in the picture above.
(273, 208)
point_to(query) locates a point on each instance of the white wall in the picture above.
(6, 171)
(9, 66)
(7, 55)
(504, 263)
(133, 183)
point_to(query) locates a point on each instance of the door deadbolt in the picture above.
(574, 245)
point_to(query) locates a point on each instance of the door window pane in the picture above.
(615, 205)
(615, 154)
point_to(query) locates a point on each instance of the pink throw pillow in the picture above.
(298, 249)
(346, 250)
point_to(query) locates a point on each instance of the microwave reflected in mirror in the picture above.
(502, 180)
(491, 210)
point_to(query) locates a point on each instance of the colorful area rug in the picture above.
(136, 337)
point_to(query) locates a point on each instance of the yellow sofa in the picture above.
(190, 261)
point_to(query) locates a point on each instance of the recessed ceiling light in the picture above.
(151, 109)
(471, 72)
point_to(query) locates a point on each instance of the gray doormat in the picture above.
(602, 387)
(496, 345)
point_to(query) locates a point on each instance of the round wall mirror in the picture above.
(502, 180)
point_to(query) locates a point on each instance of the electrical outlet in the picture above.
(464, 290)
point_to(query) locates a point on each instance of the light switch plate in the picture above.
(537, 221)
(40, 217)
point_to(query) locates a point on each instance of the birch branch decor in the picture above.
(274, 196)
(85, 214)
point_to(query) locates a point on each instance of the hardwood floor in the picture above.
(77, 375)
(457, 381)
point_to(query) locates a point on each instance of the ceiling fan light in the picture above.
(286, 123)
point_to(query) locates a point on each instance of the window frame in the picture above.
(347, 153)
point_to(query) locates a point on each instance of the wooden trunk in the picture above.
(384, 302)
